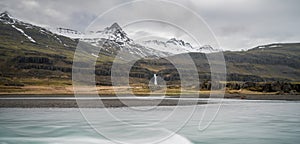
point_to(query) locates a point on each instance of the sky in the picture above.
(232, 24)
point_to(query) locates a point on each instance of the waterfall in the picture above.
(155, 80)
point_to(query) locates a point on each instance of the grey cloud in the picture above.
(237, 24)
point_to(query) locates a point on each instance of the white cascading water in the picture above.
(155, 80)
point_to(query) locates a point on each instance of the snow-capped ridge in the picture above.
(207, 49)
(179, 42)
(7, 18)
(21, 27)
(74, 34)
(177, 46)
(66, 30)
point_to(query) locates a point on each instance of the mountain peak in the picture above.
(115, 33)
(6, 17)
(5, 14)
(113, 28)
(115, 25)
(172, 39)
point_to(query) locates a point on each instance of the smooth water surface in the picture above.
(238, 122)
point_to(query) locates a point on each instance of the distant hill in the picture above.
(274, 62)
(269, 62)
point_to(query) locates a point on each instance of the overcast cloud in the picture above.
(237, 24)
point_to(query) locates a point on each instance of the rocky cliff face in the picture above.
(276, 86)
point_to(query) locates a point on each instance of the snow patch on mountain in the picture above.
(21, 31)
(268, 46)
(58, 39)
(94, 55)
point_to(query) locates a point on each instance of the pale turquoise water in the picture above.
(238, 122)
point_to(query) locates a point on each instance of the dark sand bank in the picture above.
(91, 103)
(69, 101)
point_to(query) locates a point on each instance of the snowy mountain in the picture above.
(111, 40)
(30, 32)
(116, 34)
(113, 37)
(176, 46)
(113, 33)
